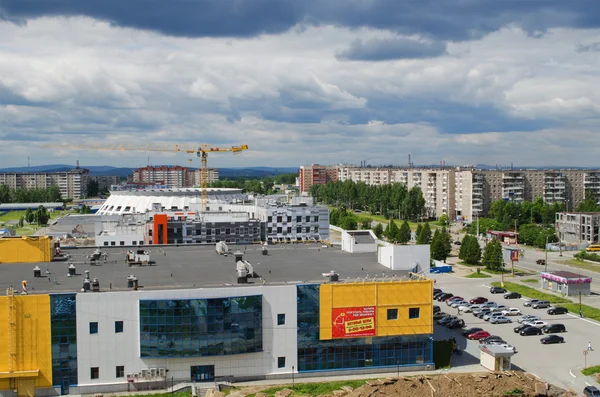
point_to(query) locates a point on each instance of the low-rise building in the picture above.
(578, 227)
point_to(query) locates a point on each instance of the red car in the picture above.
(478, 300)
(478, 335)
(455, 297)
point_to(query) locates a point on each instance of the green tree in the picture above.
(447, 240)
(418, 232)
(472, 251)
(437, 248)
(424, 237)
(492, 256)
(41, 215)
(365, 222)
(391, 231)
(378, 230)
(443, 220)
(349, 223)
(463, 246)
(93, 188)
(589, 204)
(29, 216)
(4, 194)
(404, 233)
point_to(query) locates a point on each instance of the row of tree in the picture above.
(49, 195)
(347, 220)
(261, 185)
(394, 200)
(506, 213)
(39, 216)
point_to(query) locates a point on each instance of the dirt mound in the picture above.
(458, 385)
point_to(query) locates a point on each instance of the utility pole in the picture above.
(546, 260)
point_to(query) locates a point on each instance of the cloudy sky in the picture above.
(300, 82)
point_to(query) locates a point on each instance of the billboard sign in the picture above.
(353, 322)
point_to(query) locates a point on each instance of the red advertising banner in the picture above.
(353, 322)
(514, 255)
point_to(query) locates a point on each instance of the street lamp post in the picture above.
(546, 260)
(293, 384)
(398, 368)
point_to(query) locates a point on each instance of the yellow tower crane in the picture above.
(201, 151)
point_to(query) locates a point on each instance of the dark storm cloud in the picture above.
(387, 49)
(439, 19)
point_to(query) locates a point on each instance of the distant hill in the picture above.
(105, 170)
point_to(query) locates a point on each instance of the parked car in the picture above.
(483, 313)
(504, 345)
(478, 335)
(450, 301)
(541, 262)
(540, 305)
(530, 331)
(488, 317)
(437, 294)
(500, 320)
(512, 311)
(446, 320)
(491, 339)
(528, 317)
(520, 328)
(499, 308)
(457, 242)
(547, 340)
(458, 303)
(456, 323)
(444, 296)
(478, 300)
(512, 295)
(436, 290)
(497, 290)
(591, 391)
(537, 323)
(554, 328)
(470, 331)
(436, 309)
(468, 308)
(530, 302)
(557, 310)
(439, 315)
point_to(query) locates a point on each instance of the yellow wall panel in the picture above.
(26, 249)
(31, 339)
(399, 295)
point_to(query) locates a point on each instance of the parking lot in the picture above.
(556, 363)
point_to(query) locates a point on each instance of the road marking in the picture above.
(584, 319)
(587, 384)
(571, 372)
(485, 285)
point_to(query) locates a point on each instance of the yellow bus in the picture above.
(593, 248)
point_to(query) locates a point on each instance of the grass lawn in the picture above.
(379, 218)
(11, 216)
(591, 370)
(478, 275)
(581, 264)
(531, 292)
(531, 281)
(313, 389)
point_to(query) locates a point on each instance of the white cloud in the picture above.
(291, 100)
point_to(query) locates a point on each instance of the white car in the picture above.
(513, 311)
(459, 303)
(536, 323)
(500, 320)
(528, 317)
(488, 317)
(468, 308)
(506, 346)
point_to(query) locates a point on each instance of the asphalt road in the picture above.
(559, 364)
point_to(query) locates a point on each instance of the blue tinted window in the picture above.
(200, 327)
(63, 321)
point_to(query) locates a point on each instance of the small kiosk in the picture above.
(568, 283)
(495, 357)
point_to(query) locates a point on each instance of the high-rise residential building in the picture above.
(465, 192)
(316, 175)
(72, 184)
(172, 176)
(106, 181)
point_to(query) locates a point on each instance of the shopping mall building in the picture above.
(189, 319)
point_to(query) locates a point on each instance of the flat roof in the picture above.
(565, 274)
(198, 266)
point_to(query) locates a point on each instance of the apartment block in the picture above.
(173, 176)
(578, 227)
(72, 184)
(316, 174)
(465, 193)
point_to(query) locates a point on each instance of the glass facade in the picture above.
(200, 327)
(63, 326)
(381, 351)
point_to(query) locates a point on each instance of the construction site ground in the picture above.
(478, 384)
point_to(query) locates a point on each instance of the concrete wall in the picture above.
(278, 341)
(349, 243)
(404, 257)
